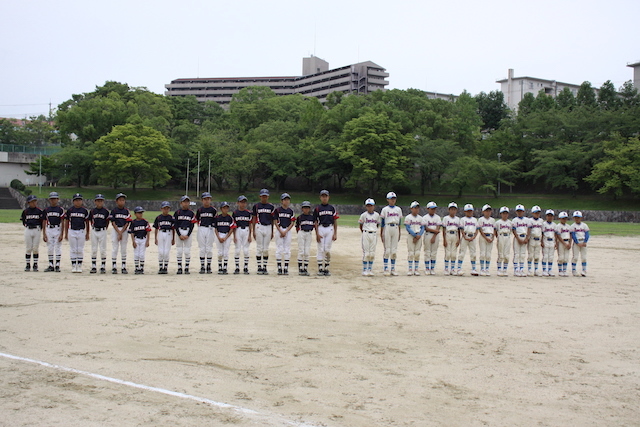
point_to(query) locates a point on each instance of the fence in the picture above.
(29, 149)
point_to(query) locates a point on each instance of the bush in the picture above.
(17, 185)
(65, 182)
(26, 191)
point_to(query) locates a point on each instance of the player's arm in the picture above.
(335, 229)
(586, 238)
(382, 224)
(87, 226)
(156, 235)
(65, 229)
(133, 239)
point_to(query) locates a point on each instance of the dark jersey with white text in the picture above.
(224, 223)
(205, 216)
(263, 213)
(304, 222)
(77, 217)
(325, 215)
(54, 215)
(120, 217)
(164, 222)
(99, 217)
(185, 219)
(242, 218)
(139, 228)
(284, 217)
(32, 217)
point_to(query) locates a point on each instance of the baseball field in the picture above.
(345, 350)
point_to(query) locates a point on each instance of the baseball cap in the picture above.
(563, 215)
(577, 214)
(224, 204)
(205, 195)
(504, 209)
(519, 207)
(536, 208)
(264, 192)
(468, 207)
(306, 204)
(453, 205)
(369, 201)
(391, 195)
(486, 207)
(431, 205)
(285, 196)
(77, 196)
(415, 204)
(324, 192)
(99, 197)
(54, 195)
(31, 198)
(138, 209)
(165, 204)
(185, 197)
(242, 199)
(120, 195)
(550, 212)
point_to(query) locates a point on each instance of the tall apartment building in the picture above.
(636, 73)
(317, 80)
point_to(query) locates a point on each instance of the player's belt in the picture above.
(566, 240)
(522, 235)
(165, 230)
(469, 235)
(366, 231)
(206, 226)
(242, 227)
(99, 228)
(53, 226)
(549, 239)
(266, 225)
(392, 225)
(31, 227)
(326, 225)
(77, 229)
(488, 234)
(309, 231)
(536, 238)
(504, 234)
(451, 232)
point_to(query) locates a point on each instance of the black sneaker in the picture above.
(327, 273)
(124, 271)
(285, 272)
(179, 270)
(209, 270)
(27, 268)
(236, 271)
(50, 268)
(103, 270)
(246, 271)
(305, 272)
(320, 272)
(264, 271)
(280, 273)
(136, 271)
(57, 269)
(202, 270)
(186, 270)
(300, 272)
(161, 271)
(142, 271)
(224, 271)
(93, 270)
(219, 271)
(35, 267)
(114, 271)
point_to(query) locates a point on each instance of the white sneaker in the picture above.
(537, 273)
(385, 272)
(433, 271)
(584, 273)
(545, 274)
(371, 273)
(78, 269)
(474, 272)
(393, 272)
(416, 272)
(459, 272)
(446, 271)
(575, 273)
(487, 273)
(550, 274)
(410, 273)
(365, 273)
(530, 273)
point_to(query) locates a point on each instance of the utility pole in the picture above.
(198, 177)
(499, 155)
(186, 185)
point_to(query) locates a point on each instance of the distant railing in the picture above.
(28, 149)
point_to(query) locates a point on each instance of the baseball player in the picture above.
(325, 219)
(451, 240)
(549, 243)
(242, 234)
(76, 231)
(52, 232)
(415, 227)
(563, 236)
(369, 222)
(487, 229)
(262, 229)
(165, 236)
(205, 215)
(390, 232)
(120, 219)
(469, 232)
(304, 227)
(99, 219)
(535, 241)
(432, 223)
(185, 220)
(521, 227)
(224, 225)
(580, 237)
(285, 220)
(32, 219)
(503, 233)
(140, 229)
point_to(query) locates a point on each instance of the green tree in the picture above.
(565, 99)
(492, 109)
(466, 122)
(629, 95)
(432, 158)
(586, 96)
(474, 174)
(525, 106)
(608, 97)
(543, 102)
(618, 173)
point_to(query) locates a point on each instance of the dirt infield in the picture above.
(339, 351)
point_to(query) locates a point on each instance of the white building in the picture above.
(636, 73)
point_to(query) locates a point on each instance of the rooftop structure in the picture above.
(636, 73)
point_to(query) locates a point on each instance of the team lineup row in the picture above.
(534, 240)
(78, 224)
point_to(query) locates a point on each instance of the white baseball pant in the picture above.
(534, 249)
(485, 248)
(140, 250)
(519, 254)
(206, 236)
(324, 245)
(471, 246)
(164, 246)
(504, 249)
(391, 234)
(115, 245)
(98, 242)
(223, 247)
(283, 245)
(430, 249)
(183, 247)
(369, 243)
(451, 250)
(413, 249)
(579, 252)
(547, 252)
(304, 245)
(263, 238)
(242, 245)
(54, 246)
(76, 244)
(32, 240)
(563, 253)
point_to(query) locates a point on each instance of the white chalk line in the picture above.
(240, 409)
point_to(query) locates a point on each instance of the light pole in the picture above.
(499, 155)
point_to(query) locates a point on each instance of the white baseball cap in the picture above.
(468, 207)
(453, 205)
(504, 209)
(577, 214)
(536, 208)
(415, 204)
(485, 207)
(431, 205)
(369, 201)
(391, 195)
(520, 207)
(550, 212)
(563, 215)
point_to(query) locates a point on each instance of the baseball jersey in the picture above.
(32, 217)
(451, 224)
(469, 225)
(164, 222)
(304, 222)
(54, 215)
(536, 227)
(503, 228)
(486, 225)
(99, 217)
(564, 231)
(139, 228)
(242, 218)
(391, 215)
(520, 225)
(263, 213)
(77, 217)
(549, 231)
(224, 223)
(369, 221)
(205, 216)
(414, 224)
(432, 221)
(284, 217)
(119, 217)
(580, 232)
(185, 219)
(325, 215)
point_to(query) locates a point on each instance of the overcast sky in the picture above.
(50, 50)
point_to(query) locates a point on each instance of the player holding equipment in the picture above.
(242, 234)
(165, 236)
(390, 232)
(549, 243)
(432, 224)
(503, 232)
(32, 219)
(304, 227)
(263, 229)
(563, 235)
(77, 231)
(487, 228)
(451, 240)
(224, 225)
(184, 223)
(120, 219)
(521, 231)
(204, 216)
(535, 241)
(580, 237)
(52, 232)
(285, 220)
(415, 227)
(99, 219)
(369, 222)
(325, 218)
(140, 229)
(469, 232)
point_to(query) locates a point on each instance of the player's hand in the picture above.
(119, 236)
(318, 238)
(249, 239)
(335, 237)
(66, 237)
(44, 238)
(458, 243)
(173, 242)
(156, 242)
(147, 244)
(433, 239)
(444, 242)
(134, 244)
(220, 239)
(235, 240)
(60, 238)
(86, 237)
